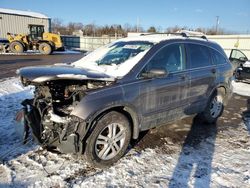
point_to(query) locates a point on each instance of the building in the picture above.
(20, 22)
(229, 42)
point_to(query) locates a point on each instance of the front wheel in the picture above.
(214, 108)
(109, 140)
(16, 47)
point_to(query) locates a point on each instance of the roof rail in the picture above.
(183, 34)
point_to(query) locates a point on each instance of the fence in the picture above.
(86, 43)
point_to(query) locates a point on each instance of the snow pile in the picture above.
(23, 13)
(217, 158)
(36, 52)
(241, 88)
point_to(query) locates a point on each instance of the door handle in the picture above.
(213, 71)
(183, 77)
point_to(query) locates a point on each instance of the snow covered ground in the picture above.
(215, 158)
(33, 52)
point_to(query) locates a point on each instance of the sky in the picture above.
(234, 15)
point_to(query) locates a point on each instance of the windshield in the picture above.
(115, 59)
(122, 51)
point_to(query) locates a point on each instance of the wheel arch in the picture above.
(222, 88)
(128, 111)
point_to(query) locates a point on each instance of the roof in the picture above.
(156, 38)
(23, 13)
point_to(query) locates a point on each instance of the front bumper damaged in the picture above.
(68, 139)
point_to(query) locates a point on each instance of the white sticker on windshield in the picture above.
(130, 46)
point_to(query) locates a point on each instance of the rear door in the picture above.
(202, 76)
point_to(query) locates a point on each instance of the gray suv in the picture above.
(97, 105)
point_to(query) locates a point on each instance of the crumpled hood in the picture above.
(41, 74)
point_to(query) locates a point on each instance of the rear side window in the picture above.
(199, 56)
(217, 57)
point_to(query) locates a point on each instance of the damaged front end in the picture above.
(48, 115)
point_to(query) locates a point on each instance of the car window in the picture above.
(199, 56)
(237, 55)
(217, 58)
(171, 58)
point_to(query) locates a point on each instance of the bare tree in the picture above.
(91, 29)
(72, 27)
(57, 26)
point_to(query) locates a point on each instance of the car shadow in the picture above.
(246, 116)
(194, 164)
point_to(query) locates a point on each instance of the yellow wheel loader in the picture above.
(45, 42)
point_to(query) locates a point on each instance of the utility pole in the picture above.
(217, 24)
(137, 25)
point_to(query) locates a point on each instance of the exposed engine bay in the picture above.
(48, 117)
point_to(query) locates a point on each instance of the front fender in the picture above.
(96, 100)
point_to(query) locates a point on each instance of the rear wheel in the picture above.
(45, 48)
(109, 140)
(214, 107)
(16, 47)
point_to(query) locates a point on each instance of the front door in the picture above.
(162, 99)
(237, 55)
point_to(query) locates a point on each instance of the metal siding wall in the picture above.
(19, 24)
(229, 42)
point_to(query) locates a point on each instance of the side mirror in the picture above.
(155, 73)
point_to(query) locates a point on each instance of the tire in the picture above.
(16, 47)
(2, 48)
(214, 108)
(45, 48)
(102, 149)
